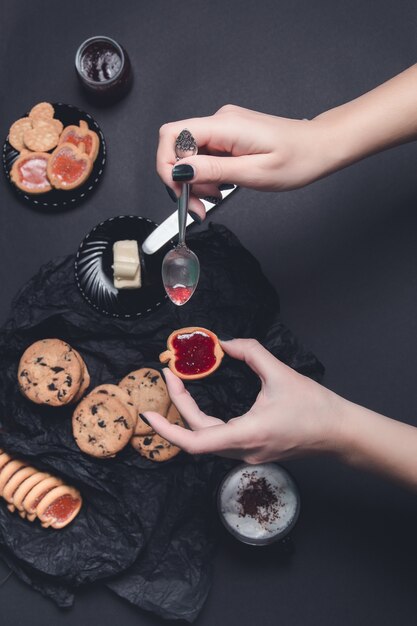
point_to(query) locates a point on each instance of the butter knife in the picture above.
(169, 227)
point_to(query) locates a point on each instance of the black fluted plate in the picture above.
(60, 198)
(94, 273)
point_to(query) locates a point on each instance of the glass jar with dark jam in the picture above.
(103, 68)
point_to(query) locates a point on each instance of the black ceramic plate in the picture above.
(59, 198)
(94, 273)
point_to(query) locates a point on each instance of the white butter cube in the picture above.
(126, 265)
(125, 269)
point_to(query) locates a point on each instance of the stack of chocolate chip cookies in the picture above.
(106, 420)
(148, 392)
(52, 372)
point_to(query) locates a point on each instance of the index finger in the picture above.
(186, 404)
(211, 439)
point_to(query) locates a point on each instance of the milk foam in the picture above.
(249, 527)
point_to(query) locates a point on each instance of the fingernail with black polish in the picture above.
(171, 193)
(143, 418)
(212, 199)
(225, 337)
(196, 217)
(182, 172)
(225, 186)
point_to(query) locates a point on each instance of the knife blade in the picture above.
(169, 227)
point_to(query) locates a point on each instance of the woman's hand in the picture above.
(292, 415)
(272, 153)
(246, 148)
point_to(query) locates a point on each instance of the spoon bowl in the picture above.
(180, 274)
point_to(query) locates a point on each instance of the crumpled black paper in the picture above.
(146, 530)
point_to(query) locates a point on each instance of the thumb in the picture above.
(258, 358)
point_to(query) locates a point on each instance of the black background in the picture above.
(342, 253)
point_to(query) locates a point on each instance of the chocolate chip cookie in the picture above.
(148, 392)
(155, 447)
(85, 377)
(50, 372)
(121, 394)
(102, 425)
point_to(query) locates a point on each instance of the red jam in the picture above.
(75, 139)
(67, 167)
(61, 508)
(104, 69)
(101, 61)
(194, 352)
(32, 173)
(179, 294)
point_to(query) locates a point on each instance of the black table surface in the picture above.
(342, 253)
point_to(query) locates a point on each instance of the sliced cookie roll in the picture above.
(23, 490)
(7, 472)
(148, 392)
(59, 507)
(102, 425)
(14, 483)
(4, 459)
(50, 372)
(37, 493)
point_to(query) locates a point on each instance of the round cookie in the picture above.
(16, 132)
(117, 392)
(155, 447)
(51, 123)
(49, 372)
(59, 507)
(85, 377)
(41, 138)
(42, 110)
(173, 416)
(102, 425)
(148, 392)
(142, 428)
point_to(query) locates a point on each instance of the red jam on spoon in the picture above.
(179, 294)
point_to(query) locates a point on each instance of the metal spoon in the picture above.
(181, 267)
